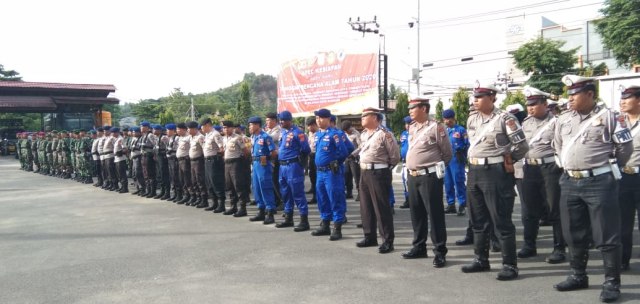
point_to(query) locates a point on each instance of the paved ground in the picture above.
(65, 242)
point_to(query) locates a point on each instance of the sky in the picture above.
(148, 48)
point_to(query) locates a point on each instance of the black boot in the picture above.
(214, 206)
(611, 287)
(152, 190)
(185, 198)
(336, 232)
(194, 200)
(242, 211)
(221, 207)
(124, 188)
(172, 198)
(178, 197)
(405, 205)
(234, 209)
(259, 216)
(468, 238)
(161, 194)
(509, 259)
(323, 229)
(167, 194)
(481, 250)
(204, 202)
(579, 278)
(268, 220)
(288, 221)
(303, 225)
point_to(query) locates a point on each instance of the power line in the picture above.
(508, 10)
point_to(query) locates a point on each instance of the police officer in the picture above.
(429, 152)
(263, 151)
(331, 152)
(274, 130)
(404, 147)
(540, 184)
(312, 126)
(351, 166)
(120, 160)
(378, 152)
(214, 164)
(196, 155)
(96, 151)
(293, 147)
(160, 151)
(172, 163)
(590, 143)
(108, 147)
(496, 142)
(454, 178)
(105, 170)
(147, 142)
(136, 160)
(234, 152)
(184, 164)
(629, 190)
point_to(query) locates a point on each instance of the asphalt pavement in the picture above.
(66, 242)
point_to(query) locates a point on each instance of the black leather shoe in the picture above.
(451, 209)
(349, 195)
(386, 247)
(461, 211)
(439, 261)
(466, 241)
(556, 257)
(527, 253)
(230, 211)
(242, 212)
(508, 273)
(312, 202)
(573, 282)
(476, 266)
(359, 225)
(415, 253)
(367, 243)
(405, 205)
(610, 291)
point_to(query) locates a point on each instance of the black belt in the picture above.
(183, 158)
(137, 156)
(232, 160)
(196, 159)
(290, 161)
(324, 168)
(172, 157)
(103, 153)
(215, 157)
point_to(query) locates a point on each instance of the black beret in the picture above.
(206, 121)
(311, 121)
(100, 130)
(192, 125)
(182, 125)
(228, 124)
(123, 130)
(272, 115)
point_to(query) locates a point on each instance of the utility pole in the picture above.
(506, 79)
(416, 72)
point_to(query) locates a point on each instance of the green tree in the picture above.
(166, 117)
(439, 109)
(9, 75)
(514, 98)
(546, 63)
(594, 71)
(243, 105)
(396, 120)
(460, 105)
(619, 30)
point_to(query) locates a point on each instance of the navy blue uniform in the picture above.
(331, 151)
(262, 181)
(293, 145)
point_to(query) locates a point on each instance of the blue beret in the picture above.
(92, 132)
(99, 130)
(256, 120)
(242, 127)
(114, 130)
(285, 115)
(157, 127)
(218, 128)
(145, 124)
(106, 128)
(448, 113)
(170, 126)
(324, 113)
(334, 118)
(407, 119)
(135, 129)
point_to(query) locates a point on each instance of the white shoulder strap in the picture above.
(482, 133)
(572, 141)
(545, 128)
